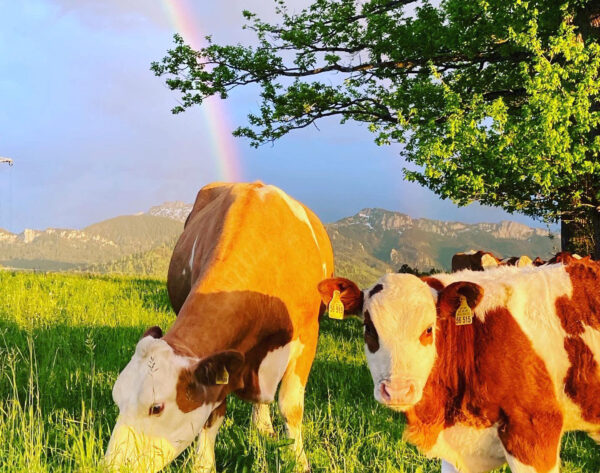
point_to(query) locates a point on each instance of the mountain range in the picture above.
(366, 245)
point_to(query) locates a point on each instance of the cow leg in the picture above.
(261, 419)
(531, 441)
(291, 391)
(204, 459)
(448, 467)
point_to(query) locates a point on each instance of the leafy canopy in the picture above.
(494, 101)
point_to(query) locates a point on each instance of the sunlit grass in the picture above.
(64, 339)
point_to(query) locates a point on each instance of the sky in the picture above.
(91, 133)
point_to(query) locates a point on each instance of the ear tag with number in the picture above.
(336, 308)
(223, 377)
(464, 314)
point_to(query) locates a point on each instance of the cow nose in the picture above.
(397, 392)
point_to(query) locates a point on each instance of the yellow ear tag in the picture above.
(223, 378)
(336, 308)
(464, 314)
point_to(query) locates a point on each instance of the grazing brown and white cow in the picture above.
(242, 280)
(474, 260)
(504, 385)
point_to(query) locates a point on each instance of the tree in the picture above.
(495, 101)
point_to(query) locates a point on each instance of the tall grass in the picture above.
(65, 338)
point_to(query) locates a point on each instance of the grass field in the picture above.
(64, 339)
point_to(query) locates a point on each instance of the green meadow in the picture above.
(64, 339)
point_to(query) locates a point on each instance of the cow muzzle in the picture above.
(397, 394)
(136, 452)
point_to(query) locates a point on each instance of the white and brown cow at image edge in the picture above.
(501, 389)
(242, 281)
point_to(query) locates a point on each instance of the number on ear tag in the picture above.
(464, 314)
(336, 308)
(223, 378)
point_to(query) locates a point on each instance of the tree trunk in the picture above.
(581, 235)
(596, 234)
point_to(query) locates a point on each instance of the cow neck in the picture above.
(473, 379)
(223, 320)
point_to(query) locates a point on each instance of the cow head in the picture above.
(164, 400)
(402, 317)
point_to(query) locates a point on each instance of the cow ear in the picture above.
(154, 332)
(450, 298)
(221, 368)
(350, 295)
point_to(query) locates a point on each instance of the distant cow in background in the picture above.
(538, 261)
(489, 367)
(518, 261)
(564, 257)
(474, 260)
(243, 281)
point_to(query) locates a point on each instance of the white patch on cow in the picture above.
(470, 252)
(488, 261)
(183, 272)
(448, 468)
(524, 261)
(401, 312)
(193, 252)
(272, 367)
(150, 378)
(469, 449)
(295, 207)
(575, 256)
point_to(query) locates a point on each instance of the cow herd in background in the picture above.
(482, 260)
(489, 367)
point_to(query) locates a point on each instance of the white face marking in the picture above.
(150, 378)
(401, 312)
(193, 252)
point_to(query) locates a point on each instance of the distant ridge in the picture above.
(366, 244)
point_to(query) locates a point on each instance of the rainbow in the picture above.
(224, 149)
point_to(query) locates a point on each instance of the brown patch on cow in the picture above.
(154, 332)
(255, 325)
(538, 261)
(481, 379)
(371, 335)
(190, 395)
(377, 288)
(583, 308)
(582, 382)
(433, 283)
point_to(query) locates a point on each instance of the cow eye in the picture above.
(426, 337)
(156, 409)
